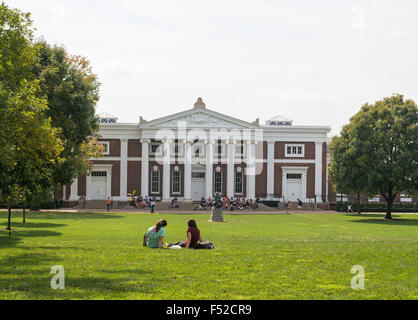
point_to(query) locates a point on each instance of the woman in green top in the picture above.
(154, 236)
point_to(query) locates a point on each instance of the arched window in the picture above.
(239, 181)
(217, 186)
(176, 180)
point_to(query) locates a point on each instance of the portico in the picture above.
(200, 166)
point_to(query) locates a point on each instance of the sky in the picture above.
(315, 62)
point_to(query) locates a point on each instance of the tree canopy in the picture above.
(72, 92)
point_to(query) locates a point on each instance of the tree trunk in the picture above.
(389, 208)
(24, 212)
(9, 220)
(358, 202)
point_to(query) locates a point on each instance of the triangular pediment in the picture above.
(198, 118)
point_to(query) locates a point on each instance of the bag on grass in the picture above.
(205, 245)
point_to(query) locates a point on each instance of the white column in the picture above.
(109, 183)
(74, 191)
(304, 184)
(318, 171)
(270, 169)
(88, 183)
(166, 170)
(209, 168)
(145, 167)
(231, 169)
(250, 158)
(124, 169)
(64, 192)
(187, 171)
(327, 181)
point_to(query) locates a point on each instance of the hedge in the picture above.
(377, 207)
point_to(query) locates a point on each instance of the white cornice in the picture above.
(234, 121)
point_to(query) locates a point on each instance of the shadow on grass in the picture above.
(17, 236)
(110, 283)
(61, 215)
(21, 225)
(376, 219)
(8, 242)
(28, 259)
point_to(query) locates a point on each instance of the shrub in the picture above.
(377, 207)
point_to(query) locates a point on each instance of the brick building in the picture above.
(199, 152)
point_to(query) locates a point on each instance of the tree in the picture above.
(29, 145)
(377, 152)
(72, 91)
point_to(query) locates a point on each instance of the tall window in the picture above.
(176, 181)
(217, 188)
(155, 181)
(239, 182)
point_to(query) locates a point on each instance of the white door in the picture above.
(198, 186)
(98, 188)
(293, 190)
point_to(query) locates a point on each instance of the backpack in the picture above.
(205, 245)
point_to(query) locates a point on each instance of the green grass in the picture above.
(256, 257)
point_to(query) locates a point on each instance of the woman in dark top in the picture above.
(193, 236)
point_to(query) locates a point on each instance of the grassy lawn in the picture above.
(256, 257)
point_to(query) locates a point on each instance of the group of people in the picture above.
(231, 203)
(145, 202)
(154, 238)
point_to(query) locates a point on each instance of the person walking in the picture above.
(152, 206)
(349, 206)
(108, 203)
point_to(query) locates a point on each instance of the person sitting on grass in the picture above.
(154, 236)
(194, 239)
